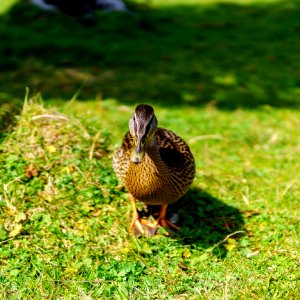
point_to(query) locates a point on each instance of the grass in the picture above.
(64, 219)
(220, 52)
(65, 222)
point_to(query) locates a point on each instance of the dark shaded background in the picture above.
(225, 55)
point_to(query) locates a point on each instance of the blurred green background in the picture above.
(229, 54)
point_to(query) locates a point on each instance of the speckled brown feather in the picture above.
(165, 174)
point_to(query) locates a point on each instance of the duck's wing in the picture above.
(121, 157)
(175, 153)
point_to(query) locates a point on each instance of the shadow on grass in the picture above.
(228, 55)
(206, 221)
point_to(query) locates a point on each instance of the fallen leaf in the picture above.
(250, 254)
(231, 241)
(31, 171)
(16, 230)
(229, 247)
(20, 217)
(183, 267)
(51, 149)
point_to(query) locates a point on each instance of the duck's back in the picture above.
(176, 154)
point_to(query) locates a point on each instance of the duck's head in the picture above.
(142, 127)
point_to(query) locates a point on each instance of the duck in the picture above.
(156, 166)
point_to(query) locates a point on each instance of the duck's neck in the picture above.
(153, 152)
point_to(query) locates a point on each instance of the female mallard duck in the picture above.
(156, 166)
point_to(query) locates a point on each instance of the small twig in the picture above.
(84, 81)
(48, 116)
(226, 290)
(227, 237)
(94, 144)
(82, 174)
(26, 98)
(12, 181)
(5, 241)
(80, 281)
(5, 190)
(289, 185)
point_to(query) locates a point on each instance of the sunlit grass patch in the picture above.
(47, 147)
(64, 221)
(56, 184)
(6, 4)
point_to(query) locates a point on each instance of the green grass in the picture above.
(218, 52)
(64, 228)
(224, 76)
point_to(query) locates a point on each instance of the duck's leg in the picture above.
(163, 221)
(135, 226)
(140, 226)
